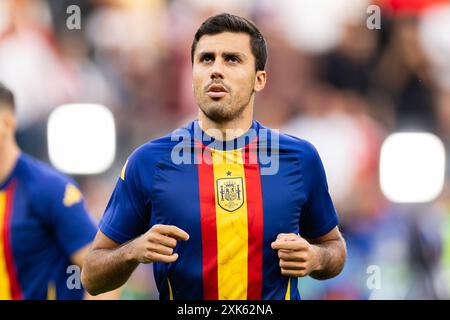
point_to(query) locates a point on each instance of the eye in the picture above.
(232, 59)
(206, 58)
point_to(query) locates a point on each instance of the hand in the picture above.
(157, 244)
(298, 258)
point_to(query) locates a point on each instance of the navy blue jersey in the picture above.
(233, 198)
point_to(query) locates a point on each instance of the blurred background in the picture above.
(333, 80)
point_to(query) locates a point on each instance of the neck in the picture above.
(8, 159)
(227, 130)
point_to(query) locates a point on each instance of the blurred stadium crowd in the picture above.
(331, 81)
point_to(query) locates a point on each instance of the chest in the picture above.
(27, 234)
(182, 193)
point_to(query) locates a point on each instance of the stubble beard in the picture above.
(221, 112)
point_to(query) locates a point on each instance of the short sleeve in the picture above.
(61, 207)
(318, 215)
(127, 213)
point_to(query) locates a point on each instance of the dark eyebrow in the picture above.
(206, 54)
(236, 54)
(224, 54)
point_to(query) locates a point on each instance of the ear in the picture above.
(260, 80)
(7, 123)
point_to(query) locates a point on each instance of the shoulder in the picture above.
(305, 149)
(287, 143)
(36, 174)
(45, 185)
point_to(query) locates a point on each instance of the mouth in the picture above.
(216, 91)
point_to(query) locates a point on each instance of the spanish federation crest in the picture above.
(230, 193)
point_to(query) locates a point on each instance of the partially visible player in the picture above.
(44, 226)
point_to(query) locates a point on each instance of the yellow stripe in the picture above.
(122, 174)
(5, 289)
(232, 231)
(288, 290)
(170, 290)
(51, 291)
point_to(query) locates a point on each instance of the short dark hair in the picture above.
(6, 97)
(226, 22)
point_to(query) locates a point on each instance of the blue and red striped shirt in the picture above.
(43, 222)
(233, 198)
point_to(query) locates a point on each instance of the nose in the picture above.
(216, 70)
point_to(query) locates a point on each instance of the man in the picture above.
(44, 227)
(217, 229)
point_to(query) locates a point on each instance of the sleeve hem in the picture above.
(322, 231)
(112, 234)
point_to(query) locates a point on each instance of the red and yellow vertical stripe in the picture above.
(231, 222)
(9, 285)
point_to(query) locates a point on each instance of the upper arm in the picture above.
(127, 214)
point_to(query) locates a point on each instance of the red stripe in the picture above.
(208, 222)
(16, 292)
(255, 221)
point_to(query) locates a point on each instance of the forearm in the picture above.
(107, 269)
(331, 259)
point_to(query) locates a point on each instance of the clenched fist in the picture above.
(298, 258)
(157, 244)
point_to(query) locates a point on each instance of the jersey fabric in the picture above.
(42, 223)
(232, 210)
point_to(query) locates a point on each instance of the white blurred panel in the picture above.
(412, 167)
(81, 138)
